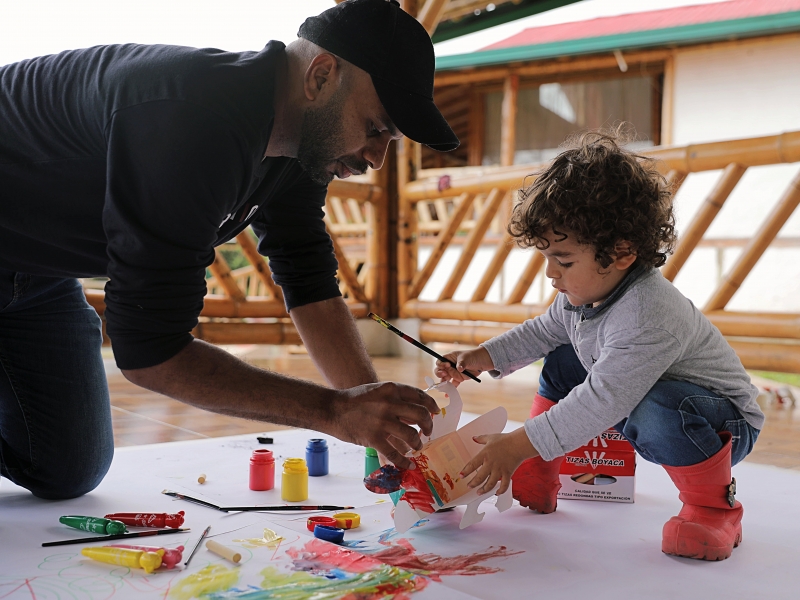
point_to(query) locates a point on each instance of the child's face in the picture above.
(573, 270)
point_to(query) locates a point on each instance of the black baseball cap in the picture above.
(382, 39)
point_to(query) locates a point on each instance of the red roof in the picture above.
(645, 21)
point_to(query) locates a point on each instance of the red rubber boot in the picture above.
(535, 483)
(709, 526)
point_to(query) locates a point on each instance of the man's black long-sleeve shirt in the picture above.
(134, 162)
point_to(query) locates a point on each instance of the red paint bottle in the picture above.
(262, 470)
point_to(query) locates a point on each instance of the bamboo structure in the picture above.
(766, 341)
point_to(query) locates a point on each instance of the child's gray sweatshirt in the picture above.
(644, 332)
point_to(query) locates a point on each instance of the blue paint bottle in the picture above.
(317, 457)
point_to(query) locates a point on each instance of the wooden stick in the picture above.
(223, 551)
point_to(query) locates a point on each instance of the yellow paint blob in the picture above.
(210, 579)
(270, 540)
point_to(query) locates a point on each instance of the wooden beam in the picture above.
(430, 14)
(526, 279)
(263, 271)
(493, 201)
(477, 129)
(757, 246)
(508, 127)
(703, 219)
(668, 101)
(463, 206)
(359, 191)
(222, 272)
(346, 272)
(504, 247)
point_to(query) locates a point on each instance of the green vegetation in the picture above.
(787, 378)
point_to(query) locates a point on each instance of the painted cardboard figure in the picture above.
(435, 484)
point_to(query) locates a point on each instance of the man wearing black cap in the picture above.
(134, 162)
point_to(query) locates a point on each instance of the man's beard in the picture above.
(321, 141)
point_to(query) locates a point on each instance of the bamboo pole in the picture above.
(407, 223)
(508, 127)
(757, 246)
(247, 333)
(260, 265)
(222, 272)
(431, 13)
(668, 101)
(359, 191)
(373, 254)
(498, 260)
(471, 311)
(477, 129)
(463, 206)
(346, 273)
(750, 152)
(526, 279)
(493, 202)
(746, 324)
(702, 220)
(547, 68)
(471, 335)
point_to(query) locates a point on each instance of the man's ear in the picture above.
(624, 255)
(320, 76)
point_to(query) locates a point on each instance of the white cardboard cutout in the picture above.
(444, 423)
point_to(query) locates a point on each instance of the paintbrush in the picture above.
(419, 345)
(116, 536)
(282, 507)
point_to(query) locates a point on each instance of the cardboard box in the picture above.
(603, 470)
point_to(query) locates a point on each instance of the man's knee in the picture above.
(71, 478)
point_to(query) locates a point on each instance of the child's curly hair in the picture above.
(601, 193)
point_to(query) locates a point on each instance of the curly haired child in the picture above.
(622, 347)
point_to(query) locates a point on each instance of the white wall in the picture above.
(734, 91)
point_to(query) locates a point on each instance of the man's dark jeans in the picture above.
(55, 418)
(675, 424)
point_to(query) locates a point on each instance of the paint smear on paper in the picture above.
(402, 554)
(418, 494)
(270, 540)
(210, 579)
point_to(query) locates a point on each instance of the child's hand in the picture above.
(475, 361)
(504, 452)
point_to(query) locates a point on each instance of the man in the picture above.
(135, 162)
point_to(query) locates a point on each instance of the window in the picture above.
(548, 113)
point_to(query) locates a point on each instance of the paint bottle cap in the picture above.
(371, 452)
(320, 520)
(317, 445)
(329, 534)
(347, 520)
(295, 465)
(262, 457)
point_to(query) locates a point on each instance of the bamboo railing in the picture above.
(769, 341)
(245, 306)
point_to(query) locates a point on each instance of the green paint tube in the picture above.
(94, 524)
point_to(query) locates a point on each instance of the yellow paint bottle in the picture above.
(294, 482)
(149, 561)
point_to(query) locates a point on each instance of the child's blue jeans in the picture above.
(675, 424)
(55, 419)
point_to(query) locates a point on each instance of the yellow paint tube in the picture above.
(138, 559)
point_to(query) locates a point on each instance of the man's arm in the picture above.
(375, 415)
(334, 344)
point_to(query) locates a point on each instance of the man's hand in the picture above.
(504, 452)
(475, 361)
(380, 415)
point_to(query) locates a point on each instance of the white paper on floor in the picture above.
(591, 549)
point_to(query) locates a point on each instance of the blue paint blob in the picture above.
(385, 480)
